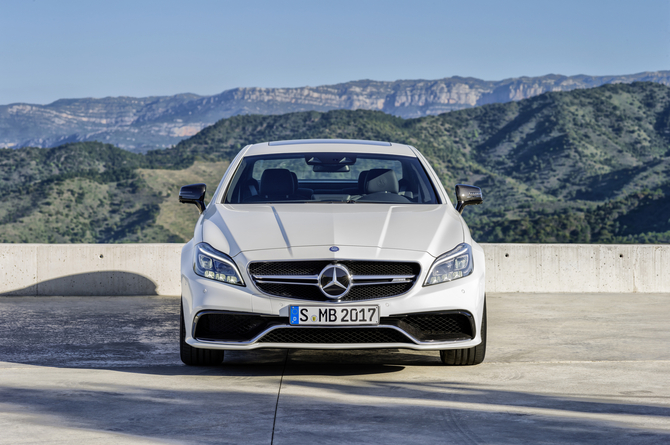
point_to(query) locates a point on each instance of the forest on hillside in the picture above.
(585, 166)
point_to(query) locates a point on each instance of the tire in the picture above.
(194, 356)
(467, 356)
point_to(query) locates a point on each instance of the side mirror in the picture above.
(468, 195)
(193, 194)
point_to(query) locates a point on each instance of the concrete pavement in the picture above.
(560, 368)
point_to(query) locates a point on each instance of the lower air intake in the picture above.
(233, 327)
(334, 335)
(457, 325)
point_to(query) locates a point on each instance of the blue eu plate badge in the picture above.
(294, 314)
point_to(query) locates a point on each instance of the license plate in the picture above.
(332, 316)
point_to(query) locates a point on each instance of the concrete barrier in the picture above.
(577, 268)
(90, 269)
(153, 269)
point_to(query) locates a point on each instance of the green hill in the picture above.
(580, 166)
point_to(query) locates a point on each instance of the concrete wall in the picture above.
(90, 269)
(577, 268)
(153, 269)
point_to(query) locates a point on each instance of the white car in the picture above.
(332, 244)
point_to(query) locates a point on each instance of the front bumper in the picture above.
(202, 297)
(234, 329)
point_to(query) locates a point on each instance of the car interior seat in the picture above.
(276, 184)
(248, 189)
(360, 189)
(406, 188)
(382, 185)
(303, 193)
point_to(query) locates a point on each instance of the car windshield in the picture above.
(331, 177)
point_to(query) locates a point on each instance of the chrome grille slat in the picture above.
(285, 277)
(377, 283)
(381, 277)
(292, 283)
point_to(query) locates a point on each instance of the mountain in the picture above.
(140, 124)
(588, 165)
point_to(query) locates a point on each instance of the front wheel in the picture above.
(195, 356)
(467, 356)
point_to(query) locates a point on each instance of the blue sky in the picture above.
(70, 49)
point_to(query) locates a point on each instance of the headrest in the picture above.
(381, 180)
(361, 179)
(276, 182)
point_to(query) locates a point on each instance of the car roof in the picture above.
(329, 145)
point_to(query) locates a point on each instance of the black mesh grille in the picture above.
(313, 293)
(315, 267)
(302, 292)
(373, 291)
(288, 268)
(235, 327)
(449, 326)
(381, 268)
(334, 335)
(423, 327)
(439, 323)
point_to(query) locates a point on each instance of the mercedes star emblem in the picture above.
(335, 281)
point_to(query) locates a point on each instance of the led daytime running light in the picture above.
(451, 266)
(212, 264)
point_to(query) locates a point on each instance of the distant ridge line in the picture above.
(140, 124)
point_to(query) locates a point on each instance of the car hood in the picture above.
(239, 228)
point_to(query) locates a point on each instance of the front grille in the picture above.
(379, 291)
(307, 288)
(334, 335)
(288, 268)
(315, 267)
(312, 293)
(381, 268)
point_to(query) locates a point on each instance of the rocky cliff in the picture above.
(140, 124)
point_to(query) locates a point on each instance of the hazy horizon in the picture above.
(312, 86)
(77, 49)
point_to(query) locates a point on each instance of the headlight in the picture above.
(212, 264)
(451, 266)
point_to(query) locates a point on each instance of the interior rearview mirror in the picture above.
(330, 168)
